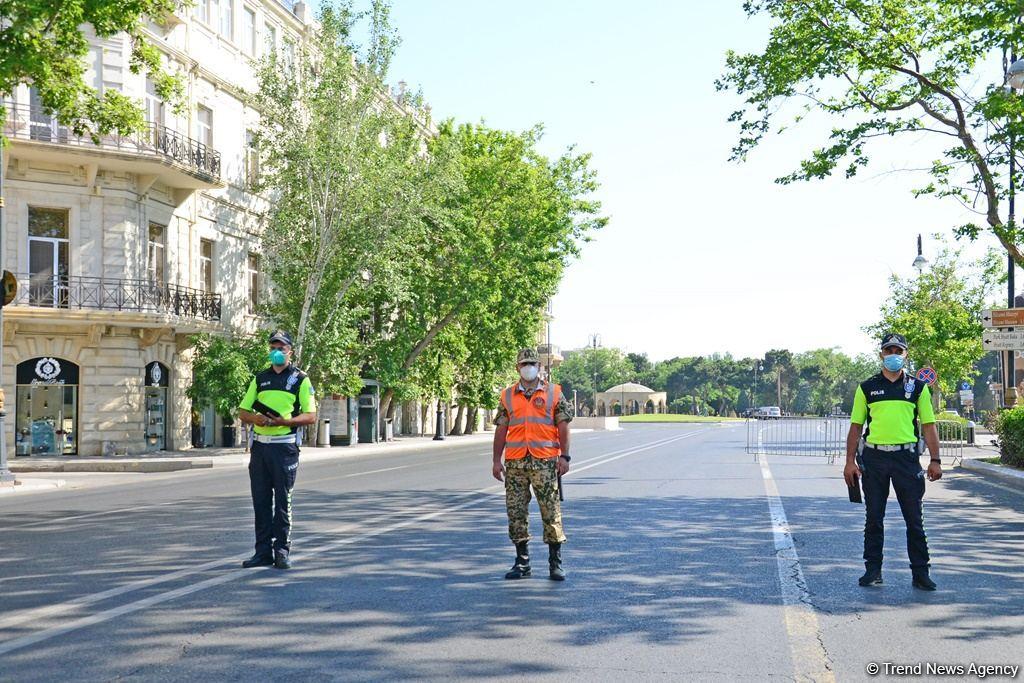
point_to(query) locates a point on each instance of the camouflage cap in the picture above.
(527, 356)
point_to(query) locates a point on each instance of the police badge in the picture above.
(908, 388)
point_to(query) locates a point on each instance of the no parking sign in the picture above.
(927, 375)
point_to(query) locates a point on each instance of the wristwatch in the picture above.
(566, 456)
(936, 460)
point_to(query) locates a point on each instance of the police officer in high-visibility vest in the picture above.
(279, 401)
(533, 433)
(886, 410)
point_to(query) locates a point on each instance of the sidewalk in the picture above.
(973, 463)
(203, 458)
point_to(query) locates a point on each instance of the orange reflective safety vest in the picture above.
(531, 422)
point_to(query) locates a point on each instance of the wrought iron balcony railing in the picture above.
(30, 123)
(64, 291)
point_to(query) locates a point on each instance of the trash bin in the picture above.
(323, 435)
(389, 429)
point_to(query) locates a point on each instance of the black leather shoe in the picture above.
(555, 572)
(281, 561)
(923, 582)
(258, 560)
(872, 577)
(521, 569)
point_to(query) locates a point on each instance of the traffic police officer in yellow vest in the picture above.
(533, 434)
(279, 401)
(886, 410)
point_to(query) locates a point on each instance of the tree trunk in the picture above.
(424, 412)
(457, 427)
(471, 420)
(386, 401)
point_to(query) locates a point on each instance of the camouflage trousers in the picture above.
(520, 475)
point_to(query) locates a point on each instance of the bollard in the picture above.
(970, 432)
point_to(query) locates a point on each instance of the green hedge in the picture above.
(1010, 428)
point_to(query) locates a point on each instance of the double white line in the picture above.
(51, 611)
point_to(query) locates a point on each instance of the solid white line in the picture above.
(810, 661)
(138, 605)
(43, 612)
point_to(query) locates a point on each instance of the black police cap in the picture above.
(280, 336)
(893, 339)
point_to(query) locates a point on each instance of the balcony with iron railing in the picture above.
(157, 152)
(116, 295)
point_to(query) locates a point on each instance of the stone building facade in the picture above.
(124, 249)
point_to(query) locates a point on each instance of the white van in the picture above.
(768, 413)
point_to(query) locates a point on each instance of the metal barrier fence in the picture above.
(823, 437)
(951, 441)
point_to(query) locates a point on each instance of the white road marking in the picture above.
(49, 611)
(810, 661)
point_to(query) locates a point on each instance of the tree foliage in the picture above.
(221, 370)
(939, 312)
(883, 69)
(44, 44)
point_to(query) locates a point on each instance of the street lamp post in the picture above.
(1014, 79)
(6, 476)
(753, 394)
(439, 428)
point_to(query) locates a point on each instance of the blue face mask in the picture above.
(276, 357)
(893, 363)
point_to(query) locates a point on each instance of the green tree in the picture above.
(221, 370)
(884, 69)
(590, 370)
(939, 313)
(44, 44)
(348, 177)
(496, 246)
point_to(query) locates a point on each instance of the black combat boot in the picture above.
(872, 577)
(555, 562)
(258, 560)
(521, 569)
(922, 581)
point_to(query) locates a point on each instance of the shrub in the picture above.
(1010, 428)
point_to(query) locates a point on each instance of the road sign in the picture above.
(1001, 340)
(967, 395)
(927, 375)
(965, 386)
(1003, 317)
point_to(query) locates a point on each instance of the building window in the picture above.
(270, 38)
(254, 282)
(48, 250)
(252, 160)
(204, 125)
(206, 265)
(249, 31)
(226, 19)
(289, 53)
(202, 11)
(155, 253)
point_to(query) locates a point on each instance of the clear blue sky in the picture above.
(701, 255)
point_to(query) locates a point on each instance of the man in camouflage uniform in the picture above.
(536, 416)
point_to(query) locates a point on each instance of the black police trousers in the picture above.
(272, 469)
(903, 468)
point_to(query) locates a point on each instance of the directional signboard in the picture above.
(998, 340)
(1003, 317)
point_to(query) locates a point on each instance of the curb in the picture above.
(26, 485)
(115, 466)
(1005, 475)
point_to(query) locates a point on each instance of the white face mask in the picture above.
(529, 372)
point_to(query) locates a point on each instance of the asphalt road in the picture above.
(687, 560)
